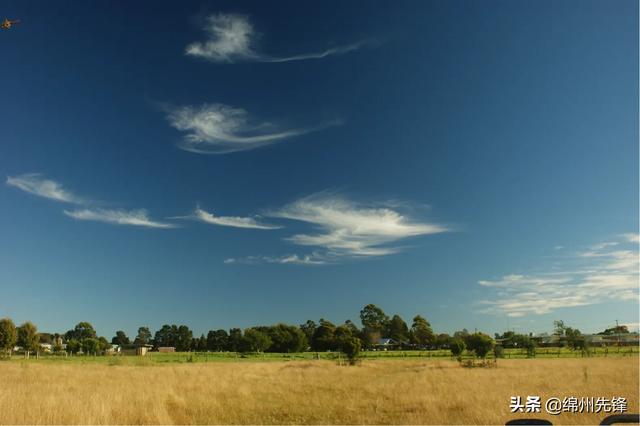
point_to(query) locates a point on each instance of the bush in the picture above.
(480, 343)
(351, 348)
(498, 351)
(457, 346)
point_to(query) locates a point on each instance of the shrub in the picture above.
(457, 346)
(480, 343)
(498, 351)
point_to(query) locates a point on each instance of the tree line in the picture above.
(318, 336)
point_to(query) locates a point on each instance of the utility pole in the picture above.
(617, 333)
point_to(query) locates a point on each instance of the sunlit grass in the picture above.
(310, 392)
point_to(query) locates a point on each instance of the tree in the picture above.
(457, 346)
(350, 346)
(235, 339)
(73, 345)
(480, 343)
(82, 330)
(308, 328)
(103, 344)
(164, 337)
(559, 328)
(324, 337)
(144, 336)
(183, 336)
(397, 329)
(57, 346)
(575, 339)
(8, 335)
(217, 340)
(90, 346)
(619, 329)
(254, 341)
(373, 318)
(462, 334)
(421, 332)
(45, 338)
(443, 341)
(284, 338)
(28, 337)
(120, 338)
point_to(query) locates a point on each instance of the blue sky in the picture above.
(239, 163)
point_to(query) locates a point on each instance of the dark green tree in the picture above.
(443, 341)
(421, 332)
(183, 336)
(28, 337)
(217, 340)
(619, 329)
(120, 338)
(373, 318)
(285, 338)
(575, 339)
(144, 336)
(103, 344)
(324, 337)
(397, 329)
(308, 328)
(479, 343)
(254, 341)
(164, 337)
(350, 346)
(8, 335)
(235, 339)
(90, 346)
(82, 330)
(457, 346)
(73, 346)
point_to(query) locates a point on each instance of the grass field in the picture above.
(196, 357)
(416, 391)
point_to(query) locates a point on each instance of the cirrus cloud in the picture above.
(138, 217)
(606, 271)
(232, 221)
(222, 129)
(231, 38)
(345, 228)
(35, 184)
(342, 229)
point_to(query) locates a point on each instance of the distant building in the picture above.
(619, 339)
(385, 344)
(166, 349)
(136, 349)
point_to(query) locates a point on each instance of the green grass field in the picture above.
(197, 357)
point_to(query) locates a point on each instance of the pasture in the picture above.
(162, 390)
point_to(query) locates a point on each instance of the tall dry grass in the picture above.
(319, 392)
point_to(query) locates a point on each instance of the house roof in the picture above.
(386, 341)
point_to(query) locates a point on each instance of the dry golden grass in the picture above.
(318, 392)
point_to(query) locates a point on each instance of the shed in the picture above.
(138, 349)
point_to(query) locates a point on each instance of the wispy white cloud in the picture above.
(349, 229)
(118, 217)
(231, 38)
(290, 259)
(221, 129)
(606, 271)
(233, 221)
(35, 184)
(632, 237)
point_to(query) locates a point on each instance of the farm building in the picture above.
(135, 349)
(386, 343)
(166, 349)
